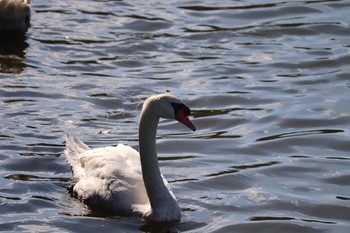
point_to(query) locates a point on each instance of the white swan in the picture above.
(119, 179)
(14, 14)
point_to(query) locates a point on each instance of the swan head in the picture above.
(170, 107)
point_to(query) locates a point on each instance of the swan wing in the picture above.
(108, 177)
(75, 147)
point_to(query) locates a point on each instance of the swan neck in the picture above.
(149, 161)
(147, 135)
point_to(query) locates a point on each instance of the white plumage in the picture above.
(119, 179)
(107, 174)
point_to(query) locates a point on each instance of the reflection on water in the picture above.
(267, 81)
(301, 133)
(13, 47)
(14, 22)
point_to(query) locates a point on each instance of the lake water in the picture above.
(268, 83)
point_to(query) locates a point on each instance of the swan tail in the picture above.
(74, 147)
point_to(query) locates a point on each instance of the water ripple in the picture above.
(267, 82)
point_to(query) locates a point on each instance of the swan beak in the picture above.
(183, 118)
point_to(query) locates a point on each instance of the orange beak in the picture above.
(183, 118)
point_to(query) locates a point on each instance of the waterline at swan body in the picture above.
(123, 181)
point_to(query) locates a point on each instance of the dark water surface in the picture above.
(268, 82)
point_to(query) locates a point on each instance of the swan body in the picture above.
(123, 181)
(14, 14)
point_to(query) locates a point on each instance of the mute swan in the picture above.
(14, 14)
(119, 179)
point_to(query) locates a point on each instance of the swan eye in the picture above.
(178, 106)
